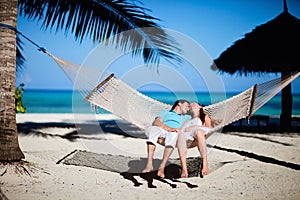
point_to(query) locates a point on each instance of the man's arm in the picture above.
(159, 122)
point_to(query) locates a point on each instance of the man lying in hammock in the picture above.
(192, 131)
(166, 125)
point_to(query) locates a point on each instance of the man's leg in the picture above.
(170, 144)
(150, 151)
(167, 153)
(201, 143)
(153, 133)
(182, 151)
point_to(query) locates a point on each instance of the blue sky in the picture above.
(213, 24)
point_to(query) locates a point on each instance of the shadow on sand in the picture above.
(263, 124)
(130, 167)
(82, 131)
(172, 173)
(261, 158)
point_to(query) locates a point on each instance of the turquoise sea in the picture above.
(63, 101)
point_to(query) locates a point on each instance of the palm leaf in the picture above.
(20, 58)
(99, 20)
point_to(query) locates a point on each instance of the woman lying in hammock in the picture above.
(193, 132)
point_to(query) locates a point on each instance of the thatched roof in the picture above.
(270, 47)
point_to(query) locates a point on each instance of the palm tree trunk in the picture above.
(9, 145)
(286, 106)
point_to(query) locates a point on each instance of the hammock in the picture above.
(117, 97)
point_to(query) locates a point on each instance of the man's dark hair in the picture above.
(179, 101)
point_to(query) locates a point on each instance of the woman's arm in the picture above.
(190, 128)
(207, 121)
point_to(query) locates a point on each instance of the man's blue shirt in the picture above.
(172, 119)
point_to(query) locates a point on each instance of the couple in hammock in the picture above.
(177, 129)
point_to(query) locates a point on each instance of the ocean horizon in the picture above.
(64, 101)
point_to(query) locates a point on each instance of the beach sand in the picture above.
(242, 165)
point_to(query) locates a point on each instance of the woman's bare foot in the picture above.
(161, 173)
(205, 168)
(184, 173)
(147, 169)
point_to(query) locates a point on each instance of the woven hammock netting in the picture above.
(108, 92)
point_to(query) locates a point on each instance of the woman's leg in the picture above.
(201, 144)
(182, 151)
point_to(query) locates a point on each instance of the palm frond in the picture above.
(101, 19)
(20, 58)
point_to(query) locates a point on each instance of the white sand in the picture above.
(232, 174)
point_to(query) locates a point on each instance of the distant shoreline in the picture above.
(83, 118)
(67, 101)
(61, 117)
(179, 92)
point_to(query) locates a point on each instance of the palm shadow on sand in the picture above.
(81, 131)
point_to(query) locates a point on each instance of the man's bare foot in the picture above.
(205, 168)
(184, 173)
(147, 169)
(161, 173)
